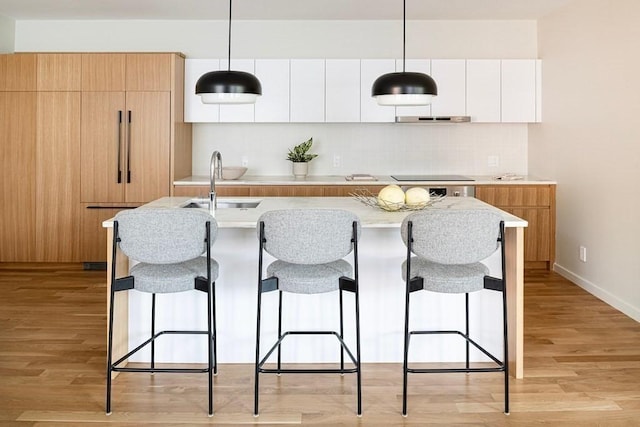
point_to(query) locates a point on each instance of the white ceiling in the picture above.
(278, 9)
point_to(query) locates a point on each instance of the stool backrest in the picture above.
(164, 235)
(450, 236)
(308, 236)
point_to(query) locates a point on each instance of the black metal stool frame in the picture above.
(415, 284)
(203, 284)
(345, 284)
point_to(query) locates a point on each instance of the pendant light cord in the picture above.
(404, 31)
(229, 57)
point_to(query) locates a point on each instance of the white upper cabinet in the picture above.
(370, 70)
(450, 77)
(419, 66)
(483, 90)
(194, 110)
(339, 90)
(273, 105)
(519, 90)
(307, 90)
(237, 113)
(342, 94)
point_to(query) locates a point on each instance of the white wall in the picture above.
(286, 39)
(7, 34)
(590, 143)
(366, 148)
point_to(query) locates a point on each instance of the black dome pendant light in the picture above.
(226, 86)
(404, 88)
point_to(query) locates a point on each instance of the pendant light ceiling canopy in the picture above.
(227, 86)
(404, 88)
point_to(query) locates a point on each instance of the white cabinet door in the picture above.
(419, 66)
(234, 113)
(342, 94)
(370, 70)
(450, 77)
(307, 90)
(518, 90)
(483, 90)
(194, 110)
(273, 105)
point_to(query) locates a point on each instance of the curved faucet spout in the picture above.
(215, 171)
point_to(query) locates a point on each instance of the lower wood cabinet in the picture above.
(273, 190)
(535, 204)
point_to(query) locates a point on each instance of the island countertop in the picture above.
(370, 217)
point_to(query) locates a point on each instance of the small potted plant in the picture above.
(300, 157)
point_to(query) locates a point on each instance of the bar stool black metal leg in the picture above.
(214, 333)
(466, 324)
(405, 365)
(279, 329)
(110, 351)
(359, 365)
(257, 372)
(211, 351)
(153, 331)
(342, 332)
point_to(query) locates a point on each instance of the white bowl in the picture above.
(233, 172)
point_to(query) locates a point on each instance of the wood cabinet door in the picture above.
(59, 72)
(18, 72)
(148, 144)
(148, 71)
(103, 72)
(103, 133)
(17, 172)
(537, 238)
(58, 177)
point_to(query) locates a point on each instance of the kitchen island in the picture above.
(381, 253)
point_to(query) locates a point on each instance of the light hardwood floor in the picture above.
(582, 368)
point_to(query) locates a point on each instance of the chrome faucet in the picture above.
(215, 171)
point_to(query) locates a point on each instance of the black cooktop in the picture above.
(431, 178)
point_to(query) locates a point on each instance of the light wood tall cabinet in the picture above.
(134, 139)
(534, 203)
(60, 130)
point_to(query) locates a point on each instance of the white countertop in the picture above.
(370, 217)
(341, 180)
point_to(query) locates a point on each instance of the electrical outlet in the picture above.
(583, 254)
(493, 161)
(337, 161)
(245, 161)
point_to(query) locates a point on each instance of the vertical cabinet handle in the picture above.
(119, 148)
(129, 147)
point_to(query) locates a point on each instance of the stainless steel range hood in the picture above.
(433, 119)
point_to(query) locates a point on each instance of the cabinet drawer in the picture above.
(515, 195)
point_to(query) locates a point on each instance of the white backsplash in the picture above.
(366, 148)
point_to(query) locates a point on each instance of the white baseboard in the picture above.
(597, 291)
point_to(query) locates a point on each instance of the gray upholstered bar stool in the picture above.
(309, 246)
(168, 245)
(444, 250)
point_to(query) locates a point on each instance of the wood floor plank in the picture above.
(582, 368)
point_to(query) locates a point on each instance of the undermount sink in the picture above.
(222, 204)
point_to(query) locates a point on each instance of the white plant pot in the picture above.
(300, 169)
